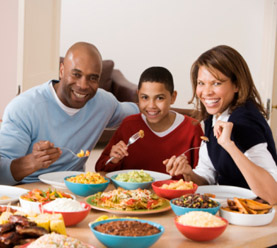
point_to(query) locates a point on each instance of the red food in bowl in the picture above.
(171, 193)
(200, 233)
(71, 218)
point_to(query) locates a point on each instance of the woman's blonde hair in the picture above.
(230, 63)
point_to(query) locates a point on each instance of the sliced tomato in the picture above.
(131, 202)
(151, 202)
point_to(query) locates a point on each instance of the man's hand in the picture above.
(44, 154)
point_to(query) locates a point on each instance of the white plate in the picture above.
(248, 219)
(56, 179)
(156, 175)
(12, 192)
(224, 192)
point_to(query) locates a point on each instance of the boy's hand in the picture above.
(119, 151)
(177, 165)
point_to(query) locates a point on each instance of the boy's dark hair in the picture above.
(157, 74)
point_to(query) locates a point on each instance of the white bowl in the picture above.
(248, 219)
(33, 207)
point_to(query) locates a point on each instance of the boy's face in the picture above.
(154, 103)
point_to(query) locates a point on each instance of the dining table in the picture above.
(233, 236)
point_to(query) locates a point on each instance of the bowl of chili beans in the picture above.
(126, 233)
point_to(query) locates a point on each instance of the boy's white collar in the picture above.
(223, 117)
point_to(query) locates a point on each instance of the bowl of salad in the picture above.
(132, 180)
(32, 200)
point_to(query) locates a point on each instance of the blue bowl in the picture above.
(130, 185)
(115, 241)
(82, 189)
(178, 210)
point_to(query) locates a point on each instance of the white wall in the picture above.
(137, 34)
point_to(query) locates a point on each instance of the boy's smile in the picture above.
(154, 103)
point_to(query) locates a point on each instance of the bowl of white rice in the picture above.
(200, 226)
(73, 211)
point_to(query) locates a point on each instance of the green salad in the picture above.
(134, 177)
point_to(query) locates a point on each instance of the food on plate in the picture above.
(4, 197)
(195, 201)
(58, 226)
(200, 219)
(134, 177)
(106, 217)
(204, 138)
(210, 195)
(4, 218)
(247, 206)
(37, 195)
(51, 222)
(7, 209)
(121, 199)
(32, 200)
(87, 178)
(63, 205)
(19, 230)
(57, 240)
(141, 133)
(83, 154)
(127, 228)
(180, 185)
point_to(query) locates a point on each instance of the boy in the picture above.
(167, 134)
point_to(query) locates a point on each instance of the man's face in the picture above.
(80, 75)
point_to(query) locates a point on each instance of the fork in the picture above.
(205, 140)
(73, 153)
(131, 140)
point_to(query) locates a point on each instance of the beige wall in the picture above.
(172, 33)
(140, 33)
(8, 51)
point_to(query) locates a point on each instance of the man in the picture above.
(69, 113)
(44, 154)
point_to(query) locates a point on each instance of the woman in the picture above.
(241, 150)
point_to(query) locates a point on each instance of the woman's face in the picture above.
(215, 93)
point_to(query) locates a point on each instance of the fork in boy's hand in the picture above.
(131, 140)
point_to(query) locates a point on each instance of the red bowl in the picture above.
(171, 193)
(200, 233)
(71, 218)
